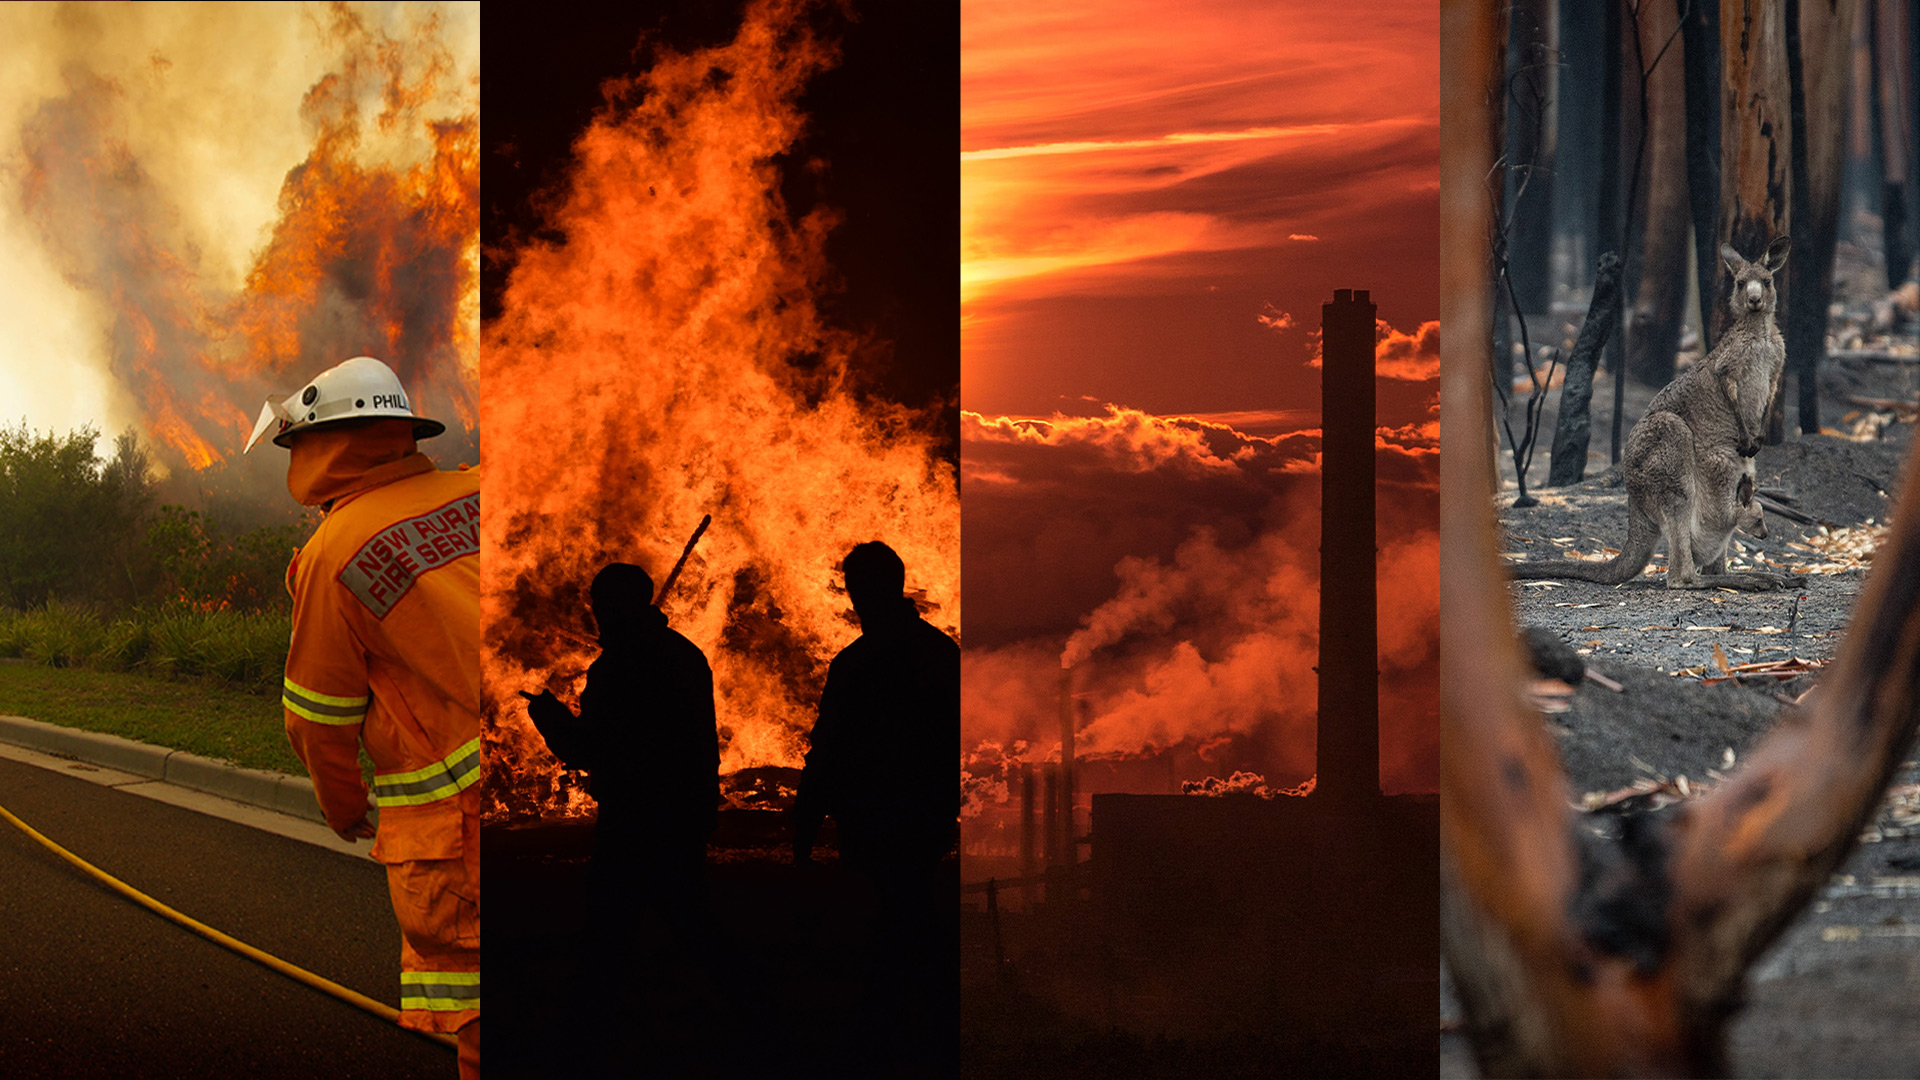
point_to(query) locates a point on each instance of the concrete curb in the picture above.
(291, 795)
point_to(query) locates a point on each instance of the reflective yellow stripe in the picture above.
(437, 767)
(450, 978)
(322, 708)
(440, 991)
(439, 1004)
(320, 718)
(325, 699)
(447, 777)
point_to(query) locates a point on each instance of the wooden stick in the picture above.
(674, 574)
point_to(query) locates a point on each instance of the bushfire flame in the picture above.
(665, 360)
(375, 250)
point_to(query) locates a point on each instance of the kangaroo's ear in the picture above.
(1777, 253)
(1732, 258)
(1744, 490)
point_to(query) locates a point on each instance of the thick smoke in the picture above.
(1174, 565)
(231, 198)
(1219, 641)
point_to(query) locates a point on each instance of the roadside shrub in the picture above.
(244, 649)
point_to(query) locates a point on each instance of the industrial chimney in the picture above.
(1349, 726)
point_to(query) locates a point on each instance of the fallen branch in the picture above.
(1774, 506)
(1907, 410)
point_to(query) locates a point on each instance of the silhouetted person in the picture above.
(884, 766)
(646, 737)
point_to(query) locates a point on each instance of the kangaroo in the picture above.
(1688, 463)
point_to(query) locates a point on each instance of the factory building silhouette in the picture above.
(1312, 917)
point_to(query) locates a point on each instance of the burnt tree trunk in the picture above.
(1572, 432)
(1700, 44)
(1863, 170)
(1498, 102)
(1756, 152)
(1819, 39)
(1889, 28)
(1576, 179)
(1610, 231)
(1533, 65)
(1659, 303)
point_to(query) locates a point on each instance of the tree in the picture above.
(1533, 65)
(67, 517)
(1700, 37)
(1818, 42)
(1756, 152)
(1660, 290)
(1576, 955)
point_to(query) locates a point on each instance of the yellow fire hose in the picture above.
(325, 986)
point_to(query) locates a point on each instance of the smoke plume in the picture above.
(231, 198)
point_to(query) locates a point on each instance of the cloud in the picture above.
(1081, 126)
(1129, 441)
(1274, 319)
(1179, 138)
(1397, 355)
(1411, 357)
(1301, 236)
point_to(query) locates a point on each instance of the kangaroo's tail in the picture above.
(1642, 534)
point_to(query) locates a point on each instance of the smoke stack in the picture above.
(1068, 850)
(1349, 724)
(1029, 857)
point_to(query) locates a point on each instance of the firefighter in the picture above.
(386, 653)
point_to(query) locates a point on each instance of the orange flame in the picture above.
(369, 258)
(667, 360)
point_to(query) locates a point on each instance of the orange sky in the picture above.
(1147, 186)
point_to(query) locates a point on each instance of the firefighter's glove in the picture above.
(360, 829)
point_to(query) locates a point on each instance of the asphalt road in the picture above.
(93, 985)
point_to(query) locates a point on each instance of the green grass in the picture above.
(198, 716)
(246, 651)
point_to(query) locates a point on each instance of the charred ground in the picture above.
(1834, 996)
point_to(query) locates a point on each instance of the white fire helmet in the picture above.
(358, 389)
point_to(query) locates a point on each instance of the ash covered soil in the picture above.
(1839, 993)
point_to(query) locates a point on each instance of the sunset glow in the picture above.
(1155, 201)
(1140, 180)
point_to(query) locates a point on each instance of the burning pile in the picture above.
(665, 360)
(375, 249)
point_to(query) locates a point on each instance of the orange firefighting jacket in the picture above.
(386, 652)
